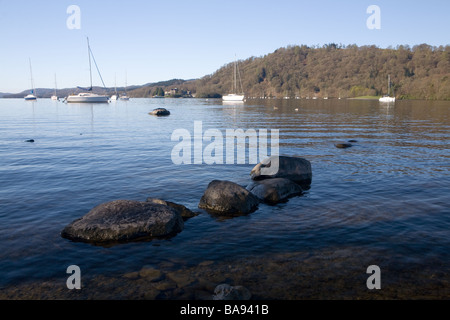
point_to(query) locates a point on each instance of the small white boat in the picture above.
(125, 97)
(114, 97)
(54, 96)
(387, 98)
(31, 96)
(235, 97)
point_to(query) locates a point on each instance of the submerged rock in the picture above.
(228, 198)
(274, 190)
(124, 220)
(160, 112)
(227, 292)
(292, 168)
(184, 212)
(343, 145)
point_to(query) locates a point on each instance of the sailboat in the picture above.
(31, 96)
(114, 96)
(88, 97)
(54, 96)
(388, 98)
(125, 97)
(234, 96)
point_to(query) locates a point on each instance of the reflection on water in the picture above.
(388, 193)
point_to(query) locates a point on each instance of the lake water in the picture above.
(389, 193)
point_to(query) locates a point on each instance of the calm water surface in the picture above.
(389, 192)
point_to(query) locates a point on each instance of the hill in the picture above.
(149, 90)
(421, 72)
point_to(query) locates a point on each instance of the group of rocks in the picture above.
(274, 180)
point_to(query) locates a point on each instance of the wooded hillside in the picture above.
(421, 72)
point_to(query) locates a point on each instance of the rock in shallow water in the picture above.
(124, 220)
(228, 198)
(292, 168)
(185, 212)
(160, 112)
(343, 145)
(275, 190)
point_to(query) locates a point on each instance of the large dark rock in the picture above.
(292, 168)
(184, 212)
(274, 190)
(125, 220)
(228, 198)
(160, 112)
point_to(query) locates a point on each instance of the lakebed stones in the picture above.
(295, 169)
(160, 112)
(227, 292)
(125, 220)
(228, 198)
(343, 145)
(276, 190)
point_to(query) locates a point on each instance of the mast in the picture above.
(89, 54)
(389, 85)
(234, 76)
(31, 75)
(235, 80)
(55, 84)
(126, 82)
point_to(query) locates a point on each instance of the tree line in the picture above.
(420, 72)
(332, 70)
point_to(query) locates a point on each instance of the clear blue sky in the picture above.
(151, 41)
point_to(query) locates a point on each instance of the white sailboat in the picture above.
(31, 96)
(88, 97)
(114, 96)
(235, 96)
(388, 98)
(125, 97)
(54, 96)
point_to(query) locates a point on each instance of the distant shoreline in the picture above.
(251, 98)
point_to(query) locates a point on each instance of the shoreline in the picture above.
(255, 99)
(323, 275)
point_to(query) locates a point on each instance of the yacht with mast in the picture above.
(114, 96)
(125, 97)
(88, 97)
(54, 96)
(235, 96)
(31, 96)
(388, 98)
